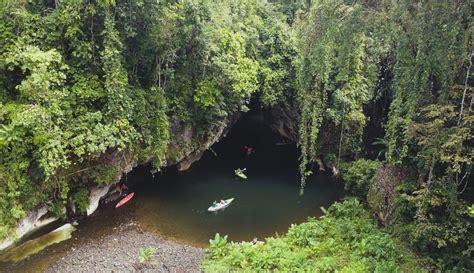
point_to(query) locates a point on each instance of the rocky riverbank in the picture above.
(119, 252)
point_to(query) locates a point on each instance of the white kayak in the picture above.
(220, 206)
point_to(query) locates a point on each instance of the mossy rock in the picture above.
(382, 194)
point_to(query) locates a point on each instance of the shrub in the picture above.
(81, 200)
(346, 239)
(146, 253)
(357, 175)
(57, 208)
(436, 225)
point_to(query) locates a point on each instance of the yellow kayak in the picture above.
(241, 175)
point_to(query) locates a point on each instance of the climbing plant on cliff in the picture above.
(340, 45)
(433, 47)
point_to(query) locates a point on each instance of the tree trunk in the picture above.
(340, 139)
(430, 174)
(465, 87)
(159, 72)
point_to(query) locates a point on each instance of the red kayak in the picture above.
(124, 200)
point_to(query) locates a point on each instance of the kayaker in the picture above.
(248, 150)
(123, 189)
(240, 171)
(214, 204)
(222, 202)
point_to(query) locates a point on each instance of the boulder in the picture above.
(189, 160)
(95, 195)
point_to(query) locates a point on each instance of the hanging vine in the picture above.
(340, 46)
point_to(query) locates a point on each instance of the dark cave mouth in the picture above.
(252, 130)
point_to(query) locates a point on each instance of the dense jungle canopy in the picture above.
(378, 85)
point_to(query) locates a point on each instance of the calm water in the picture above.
(174, 204)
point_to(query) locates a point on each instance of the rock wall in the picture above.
(194, 155)
(95, 195)
(187, 146)
(284, 120)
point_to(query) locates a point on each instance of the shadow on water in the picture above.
(174, 204)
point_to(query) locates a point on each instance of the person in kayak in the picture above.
(214, 204)
(248, 150)
(222, 202)
(123, 189)
(240, 170)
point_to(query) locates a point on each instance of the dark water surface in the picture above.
(174, 204)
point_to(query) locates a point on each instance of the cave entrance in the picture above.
(268, 150)
(175, 203)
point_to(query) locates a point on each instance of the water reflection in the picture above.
(30, 247)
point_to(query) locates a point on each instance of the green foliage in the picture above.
(382, 148)
(440, 140)
(152, 124)
(83, 82)
(358, 175)
(345, 239)
(436, 224)
(428, 60)
(116, 80)
(81, 200)
(104, 174)
(145, 254)
(276, 57)
(45, 73)
(240, 71)
(470, 210)
(401, 52)
(206, 94)
(336, 74)
(58, 209)
(65, 101)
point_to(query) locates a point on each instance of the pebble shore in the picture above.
(119, 252)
